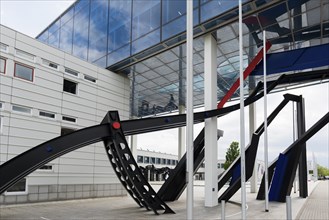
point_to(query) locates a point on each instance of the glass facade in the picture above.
(107, 32)
(145, 40)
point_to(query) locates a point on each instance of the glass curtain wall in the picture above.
(106, 32)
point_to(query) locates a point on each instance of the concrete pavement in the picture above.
(126, 208)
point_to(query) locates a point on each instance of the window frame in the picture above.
(1, 124)
(19, 192)
(90, 78)
(76, 86)
(24, 65)
(21, 112)
(69, 117)
(46, 170)
(43, 116)
(72, 73)
(4, 67)
(47, 63)
(24, 55)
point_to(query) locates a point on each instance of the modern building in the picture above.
(130, 56)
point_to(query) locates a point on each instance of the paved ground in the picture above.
(317, 205)
(126, 208)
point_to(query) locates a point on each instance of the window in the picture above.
(1, 124)
(72, 72)
(69, 119)
(3, 47)
(46, 168)
(2, 65)
(25, 55)
(146, 159)
(46, 114)
(69, 86)
(158, 160)
(18, 188)
(89, 78)
(168, 162)
(152, 160)
(140, 159)
(65, 131)
(21, 109)
(23, 72)
(163, 161)
(49, 64)
(1, 105)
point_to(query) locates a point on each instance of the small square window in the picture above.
(69, 119)
(50, 64)
(21, 109)
(2, 65)
(140, 159)
(23, 72)
(69, 86)
(146, 159)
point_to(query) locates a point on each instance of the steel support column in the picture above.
(302, 168)
(210, 89)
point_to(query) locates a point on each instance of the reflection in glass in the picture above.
(66, 37)
(80, 33)
(23, 72)
(98, 30)
(211, 8)
(174, 17)
(80, 4)
(146, 41)
(146, 17)
(54, 27)
(118, 55)
(54, 39)
(67, 16)
(119, 24)
(44, 37)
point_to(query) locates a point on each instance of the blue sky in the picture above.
(31, 17)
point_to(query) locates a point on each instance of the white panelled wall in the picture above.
(83, 173)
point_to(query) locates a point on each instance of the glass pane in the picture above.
(171, 9)
(20, 186)
(98, 30)
(80, 35)
(119, 24)
(23, 72)
(212, 8)
(44, 36)
(2, 65)
(54, 27)
(54, 39)
(80, 4)
(146, 17)
(67, 16)
(118, 55)
(66, 38)
(146, 41)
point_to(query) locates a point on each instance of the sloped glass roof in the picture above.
(158, 83)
